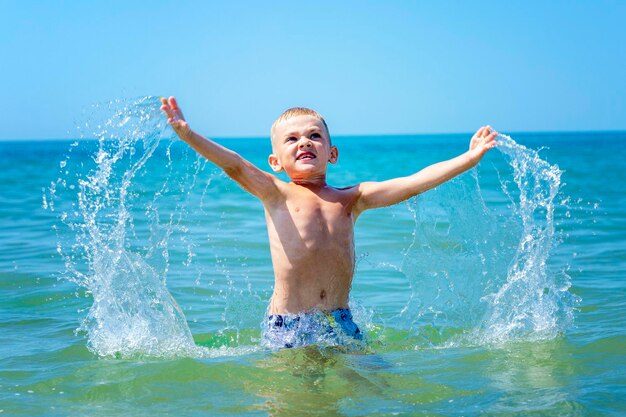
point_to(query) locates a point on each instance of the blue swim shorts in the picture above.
(316, 327)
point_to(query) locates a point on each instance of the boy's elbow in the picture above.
(238, 169)
(233, 165)
(234, 171)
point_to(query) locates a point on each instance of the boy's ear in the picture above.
(334, 155)
(274, 163)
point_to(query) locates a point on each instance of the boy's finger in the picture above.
(175, 108)
(173, 103)
(167, 110)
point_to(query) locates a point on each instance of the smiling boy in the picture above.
(310, 223)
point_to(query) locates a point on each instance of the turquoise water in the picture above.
(134, 277)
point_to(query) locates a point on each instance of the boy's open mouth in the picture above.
(305, 155)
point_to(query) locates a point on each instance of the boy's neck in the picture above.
(311, 182)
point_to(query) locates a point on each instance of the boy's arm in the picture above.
(386, 193)
(249, 177)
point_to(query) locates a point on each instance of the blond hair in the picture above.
(298, 111)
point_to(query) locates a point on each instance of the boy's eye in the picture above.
(291, 138)
(315, 136)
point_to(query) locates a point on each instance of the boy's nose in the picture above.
(305, 142)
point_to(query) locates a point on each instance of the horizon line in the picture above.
(513, 132)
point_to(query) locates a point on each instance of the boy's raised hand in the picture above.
(482, 141)
(175, 117)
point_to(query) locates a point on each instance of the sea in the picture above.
(135, 278)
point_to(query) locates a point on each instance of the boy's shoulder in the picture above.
(354, 187)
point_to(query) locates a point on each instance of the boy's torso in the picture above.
(311, 234)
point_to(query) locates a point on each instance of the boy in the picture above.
(310, 224)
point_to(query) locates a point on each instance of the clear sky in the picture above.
(370, 67)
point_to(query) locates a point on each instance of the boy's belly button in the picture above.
(322, 294)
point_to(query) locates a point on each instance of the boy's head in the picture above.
(294, 112)
(301, 144)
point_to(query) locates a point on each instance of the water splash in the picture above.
(532, 304)
(478, 266)
(132, 312)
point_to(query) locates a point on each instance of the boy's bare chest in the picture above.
(319, 217)
(314, 218)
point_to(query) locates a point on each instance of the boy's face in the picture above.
(301, 147)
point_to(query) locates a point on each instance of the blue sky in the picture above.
(368, 67)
